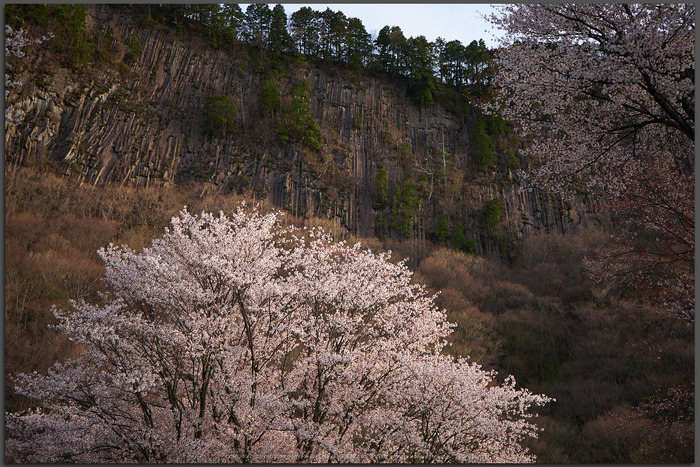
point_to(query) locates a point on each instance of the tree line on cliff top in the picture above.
(331, 36)
(328, 36)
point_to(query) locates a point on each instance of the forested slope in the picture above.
(309, 134)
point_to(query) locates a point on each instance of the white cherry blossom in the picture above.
(606, 94)
(232, 339)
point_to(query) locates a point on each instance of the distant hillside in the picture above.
(152, 105)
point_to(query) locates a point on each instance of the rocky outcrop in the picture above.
(142, 125)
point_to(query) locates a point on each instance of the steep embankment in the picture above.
(143, 124)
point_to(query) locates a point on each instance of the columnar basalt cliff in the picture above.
(143, 124)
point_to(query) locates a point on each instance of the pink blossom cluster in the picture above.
(233, 339)
(607, 94)
(604, 88)
(15, 41)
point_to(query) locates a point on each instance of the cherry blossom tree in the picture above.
(233, 339)
(15, 41)
(606, 91)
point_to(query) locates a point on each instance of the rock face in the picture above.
(143, 125)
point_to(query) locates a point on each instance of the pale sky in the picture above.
(451, 21)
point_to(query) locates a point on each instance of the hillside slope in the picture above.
(144, 124)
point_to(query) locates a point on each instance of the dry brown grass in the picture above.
(460, 279)
(53, 229)
(541, 320)
(544, 321)
(623, 436)
(551, 264)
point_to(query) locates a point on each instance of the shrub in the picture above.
(301, 124)
(509, 246)
(17, 14)
(403, 151)
(461, 242)
(492, 212)
(220, 115)
(123, 69)
(511, 159)
(148, 21)
(442, 230)
(282, 135)
(357, 121)
(134, 44)
(72, 42)
(269, 96)
(381, 187)
(484, 148)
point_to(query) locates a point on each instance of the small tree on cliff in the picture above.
(219, 115)
(231, 340)
(608, 92)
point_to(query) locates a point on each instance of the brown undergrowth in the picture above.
(607, 360)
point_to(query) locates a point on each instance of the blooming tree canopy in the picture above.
(233, 339)
(607, 91)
